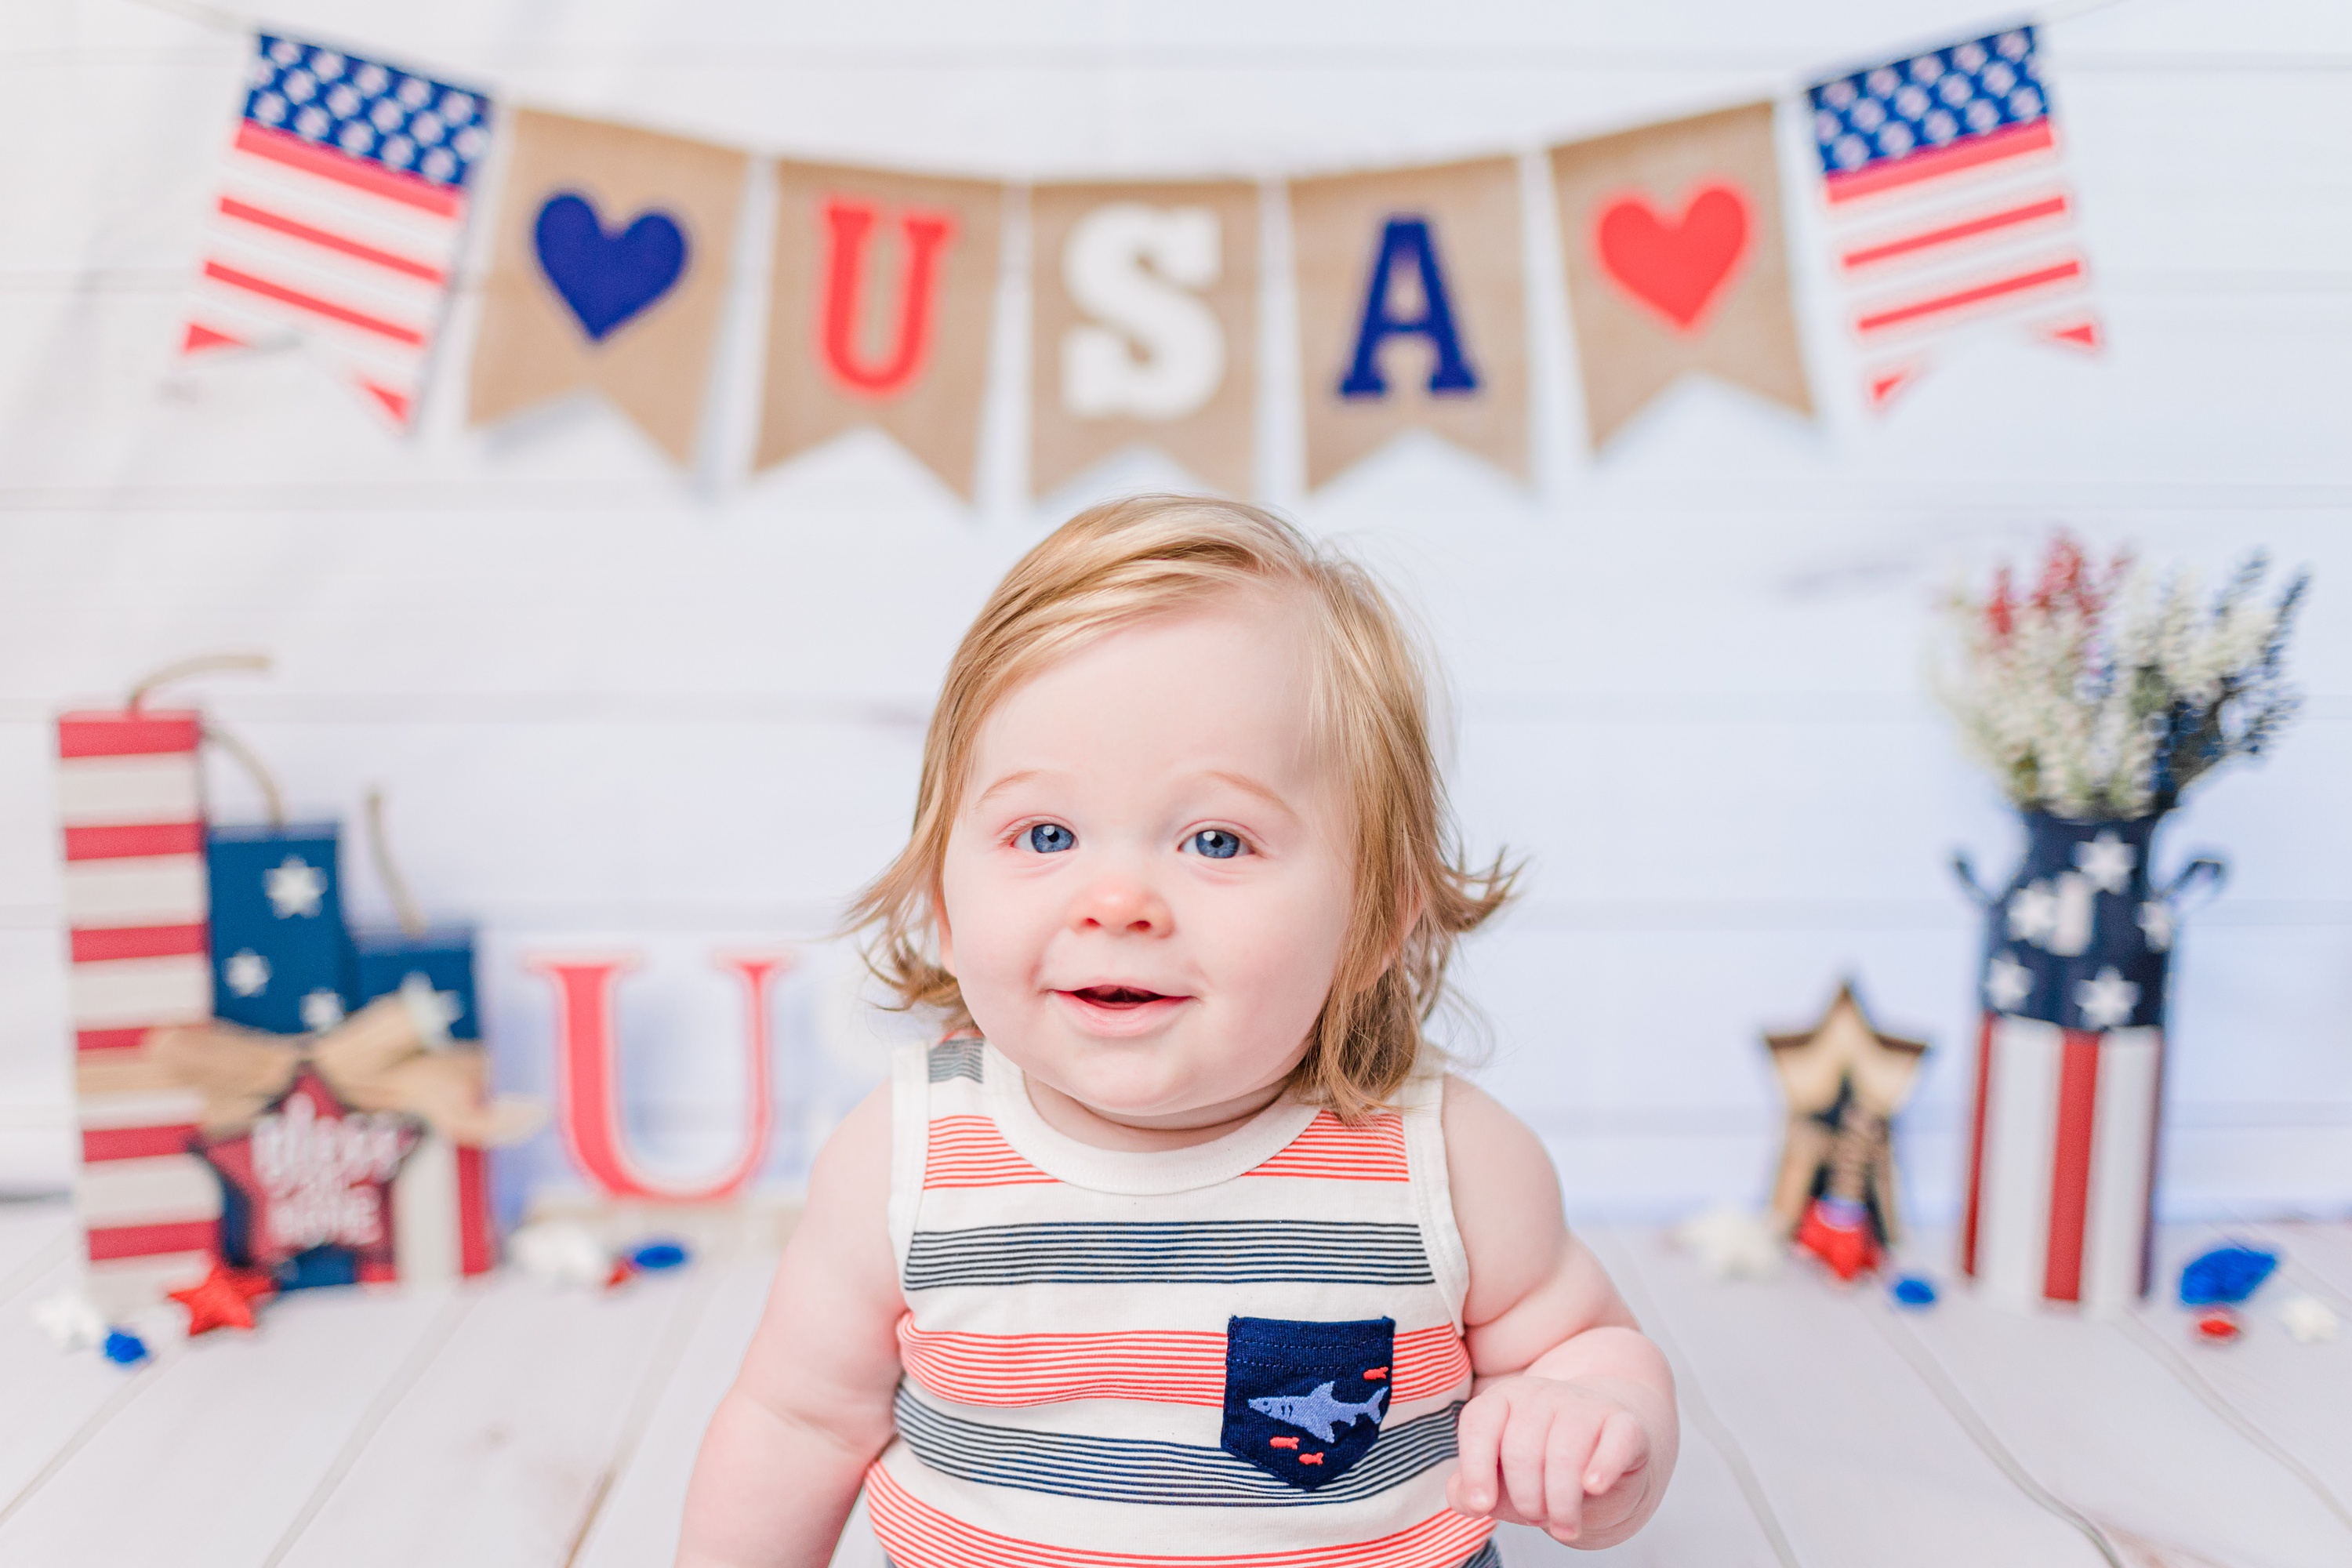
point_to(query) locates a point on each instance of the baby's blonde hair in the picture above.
(1121, 563)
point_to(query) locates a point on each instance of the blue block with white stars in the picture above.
(368, 109)
(281, 956)
(438, 965)
(1932, 99)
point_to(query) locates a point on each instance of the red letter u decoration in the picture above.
(927, 236)
(587, 1077)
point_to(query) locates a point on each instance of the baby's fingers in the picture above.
(1623, 1447)
(1478, 1445)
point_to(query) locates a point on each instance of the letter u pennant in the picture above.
(883, 290)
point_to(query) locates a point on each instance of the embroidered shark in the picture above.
(1318, 1412)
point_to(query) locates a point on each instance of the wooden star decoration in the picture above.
(1844, 1081)
(223, 1299)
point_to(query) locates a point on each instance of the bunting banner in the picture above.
(1144, 310)
(1678, 264)
(608, 271)
(1412, 312)
(883, 293)
(336, 228)
(340, 217)
(1947, 204)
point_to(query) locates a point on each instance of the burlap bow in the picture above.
(381, 1057)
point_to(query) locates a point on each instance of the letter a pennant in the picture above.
(883, 290)
(1146, 322)
(1413, 312)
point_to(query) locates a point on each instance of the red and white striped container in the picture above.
(130, 799)
(2062, 1166)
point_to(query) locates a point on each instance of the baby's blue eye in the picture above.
(1051, 839)
(1217, 843)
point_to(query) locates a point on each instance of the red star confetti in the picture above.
(225, 1297)
(2219, 1326)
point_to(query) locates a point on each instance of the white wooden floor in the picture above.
(503, 1425)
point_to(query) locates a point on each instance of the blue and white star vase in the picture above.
(281, 956)
(2070, 1064)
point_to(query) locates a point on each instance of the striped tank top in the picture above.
(1245, 1352)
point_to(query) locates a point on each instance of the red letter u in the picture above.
(927, 236)
(587, 1077)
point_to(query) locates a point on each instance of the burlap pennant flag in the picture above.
(1411, 311)
(609, 271)
(1144, 304)
(1677, 263)
(884, 288)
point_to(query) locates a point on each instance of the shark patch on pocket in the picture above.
(1304, 1401)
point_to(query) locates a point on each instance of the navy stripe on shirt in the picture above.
(1234, 1251)
(1123, 1469)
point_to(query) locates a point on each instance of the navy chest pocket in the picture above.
(1304, 1401)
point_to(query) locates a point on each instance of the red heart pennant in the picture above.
(1676, 268)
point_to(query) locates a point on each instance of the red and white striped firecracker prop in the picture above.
(129, 798)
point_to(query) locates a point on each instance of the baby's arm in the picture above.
(1572, 1427)
(781, 1466)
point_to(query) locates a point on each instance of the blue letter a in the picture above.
(1407, 239)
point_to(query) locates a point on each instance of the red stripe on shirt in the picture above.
(95, 944)
(1927, 239)
(1333, 1150)
(277, 223)
(918, 1535)
(310, 304)
(1175, 1367)
(1960, 299)
(969, 1151)
(127, 734)
(411, 190)
(136, 840)
(1928, 162)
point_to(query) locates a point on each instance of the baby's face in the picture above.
(1146, 889)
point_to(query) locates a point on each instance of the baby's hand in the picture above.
(1571, 1459)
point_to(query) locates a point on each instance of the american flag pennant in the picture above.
(1947, 206)
(340, 208)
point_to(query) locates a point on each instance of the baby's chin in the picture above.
(1143, 1083)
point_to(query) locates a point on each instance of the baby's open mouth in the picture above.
(1118, 995)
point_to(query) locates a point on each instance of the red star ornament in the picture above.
(314, 1173)
(225, 1299)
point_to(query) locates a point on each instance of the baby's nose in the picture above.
(1123, 904)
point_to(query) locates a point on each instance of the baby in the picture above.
(1179, 1249)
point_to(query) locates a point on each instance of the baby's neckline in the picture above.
(1134, 1171)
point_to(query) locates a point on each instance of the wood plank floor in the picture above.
(502, 1424)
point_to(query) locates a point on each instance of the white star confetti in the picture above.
(2310, 1320)
(322, 1009)
(295, 887)
(2106, 862)
(2156, 924)
(1731, 1243)
(2106, 1001)
(70, 1321)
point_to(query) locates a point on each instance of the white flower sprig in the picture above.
(2106, 694)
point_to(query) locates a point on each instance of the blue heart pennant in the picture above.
(607, 278)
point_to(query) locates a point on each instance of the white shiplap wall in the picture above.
(616, 706)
